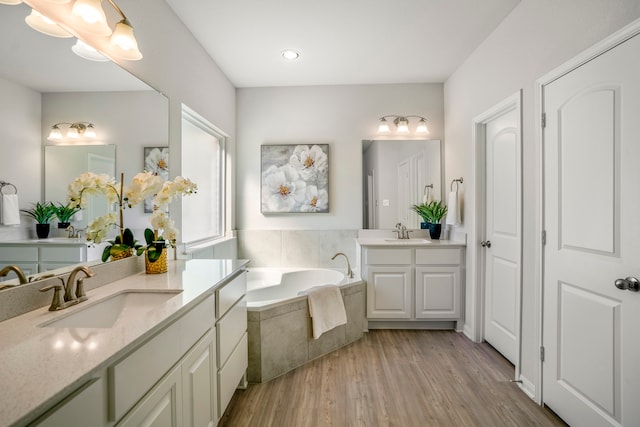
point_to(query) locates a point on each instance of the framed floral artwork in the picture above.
(295, 178)
(156, 161)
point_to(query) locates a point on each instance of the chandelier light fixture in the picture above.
(75, 131)
(87, 20)
(402, 125)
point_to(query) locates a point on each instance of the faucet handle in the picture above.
(80, 294)
(58, 299)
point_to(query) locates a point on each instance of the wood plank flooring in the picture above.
(393, 378)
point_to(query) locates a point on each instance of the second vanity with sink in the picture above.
(144, 349)
(413, 283)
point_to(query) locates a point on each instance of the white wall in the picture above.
(536, 37)
(20, 149)
(341, 116)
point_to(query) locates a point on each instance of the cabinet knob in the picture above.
(485, 243)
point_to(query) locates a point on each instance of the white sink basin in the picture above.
(408, 241)
(105, 313)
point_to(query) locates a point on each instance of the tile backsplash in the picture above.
(297, 248)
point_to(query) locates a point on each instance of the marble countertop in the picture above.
(41, 365)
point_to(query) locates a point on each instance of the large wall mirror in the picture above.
(128, 114)
(396, 175)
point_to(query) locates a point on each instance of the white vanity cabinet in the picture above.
(231, 328)
(33, 257)
(413, 287)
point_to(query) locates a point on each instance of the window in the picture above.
(203, 154)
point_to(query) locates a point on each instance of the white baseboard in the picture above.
(527, 387)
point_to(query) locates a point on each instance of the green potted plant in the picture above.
(424, 212)
(64, 214)
(42, 213)
(437, 212)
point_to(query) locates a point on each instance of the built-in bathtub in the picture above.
(279, 325)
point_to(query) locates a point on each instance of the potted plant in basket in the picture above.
(64, 214)
(43, 213)
(432, 213)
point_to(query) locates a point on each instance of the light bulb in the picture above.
(90, 17)
(55, 134)
(124, 43)
(403, 125)
(73, 133)
(43, 24)
(90, 132)
(422, 127)
(383, 126)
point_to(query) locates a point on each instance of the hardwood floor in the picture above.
(394, 378)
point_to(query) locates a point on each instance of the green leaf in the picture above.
(149, 236)
(127, 237)
(106, 253)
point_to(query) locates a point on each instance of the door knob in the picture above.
(630, 284)
(485, 243)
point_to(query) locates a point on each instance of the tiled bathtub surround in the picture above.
(281, 339)
(297, 248)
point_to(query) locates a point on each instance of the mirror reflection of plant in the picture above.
(143, 185)
(65, 212)
(42, 213)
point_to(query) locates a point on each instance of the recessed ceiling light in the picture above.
(290, 55)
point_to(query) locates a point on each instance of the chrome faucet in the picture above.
(17, 270)
(73, 232)
(75, 288)
(349, 271)
(401, 231)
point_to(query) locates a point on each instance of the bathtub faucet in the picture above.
(349, 271)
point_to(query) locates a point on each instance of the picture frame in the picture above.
(294, 178)
(156, 160)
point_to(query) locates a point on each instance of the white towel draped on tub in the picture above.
(326, 308)
(453, 211)
(10, 214)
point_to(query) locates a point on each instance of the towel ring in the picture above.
(7, 184)
(456, 181)
(427, 190)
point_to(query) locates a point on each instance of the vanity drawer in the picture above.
(440, 256)
(230, 293)
(230, 330)
(12, 253)
(196, 323)
(387, 256)
(133, 377)
(63, 254)
(231, 373)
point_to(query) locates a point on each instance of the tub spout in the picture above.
(349, 271)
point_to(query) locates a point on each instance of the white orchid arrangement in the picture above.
(164, 232)
(143, 185)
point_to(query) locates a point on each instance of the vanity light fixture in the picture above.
(75, 131)
(86, 19)
(41, 23)
(85, 51)
(402, 124)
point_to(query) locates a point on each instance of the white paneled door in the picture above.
(502, 230)
(498, 139)
(591, 328)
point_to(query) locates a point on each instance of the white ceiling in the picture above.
(340, 41)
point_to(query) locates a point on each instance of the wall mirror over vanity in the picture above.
(55, 85)
(396, 175)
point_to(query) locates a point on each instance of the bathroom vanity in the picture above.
(412, 283)
(167, 349)
(41, 255)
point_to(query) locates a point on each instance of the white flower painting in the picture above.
(156, 161)
(295, 178)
